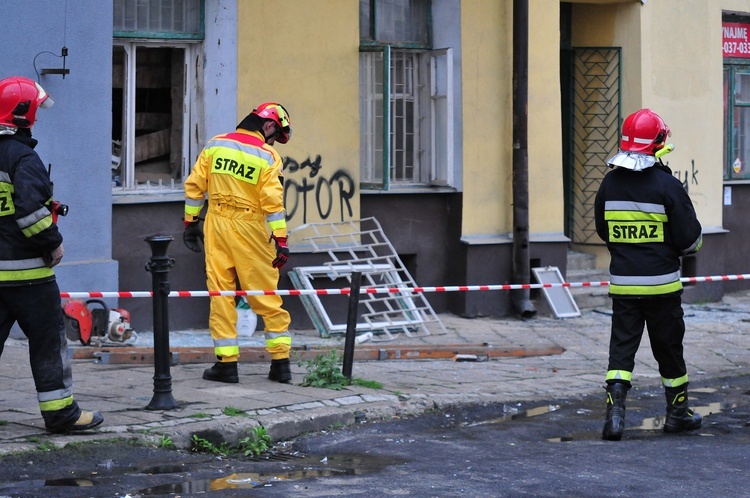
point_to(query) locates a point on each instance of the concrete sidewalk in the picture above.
(717, 344)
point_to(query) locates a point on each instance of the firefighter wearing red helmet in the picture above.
(239, 176)
(646, 218)
(32, 246)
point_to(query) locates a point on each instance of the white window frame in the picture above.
(190, 116)
(430, 85)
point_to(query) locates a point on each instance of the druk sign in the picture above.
(735, 42)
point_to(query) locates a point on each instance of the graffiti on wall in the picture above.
(687, 177)
(309, 193)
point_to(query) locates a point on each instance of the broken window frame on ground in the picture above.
(361, 246)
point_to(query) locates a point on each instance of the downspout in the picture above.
(520, 301)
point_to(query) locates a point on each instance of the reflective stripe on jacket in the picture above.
(648, 221)
(239, 170)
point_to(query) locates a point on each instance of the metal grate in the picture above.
(361, 246)
(596, 132)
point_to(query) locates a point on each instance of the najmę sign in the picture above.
(735, 41)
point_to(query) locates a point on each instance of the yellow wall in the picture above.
(546, 200)
(305, 55)
(672, 64)
(487, 73)
(684, 85)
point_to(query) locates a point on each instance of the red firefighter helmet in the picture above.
(276, 113)
(20, 98)
(644, 132)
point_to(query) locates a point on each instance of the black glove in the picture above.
(282, 252)
(192, 234)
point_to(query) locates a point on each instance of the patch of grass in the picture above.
(255, 444)
(3, 422)
(48, 446)
(235, 412)
(199, 415)
(372, 384)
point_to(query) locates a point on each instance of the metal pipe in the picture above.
(522, 305)
(351, 325)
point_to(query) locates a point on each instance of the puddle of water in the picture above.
(335, 465)
(657, 423)
(531, 412)
(46, 483)
(173, 468)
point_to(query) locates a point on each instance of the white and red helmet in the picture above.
(20, 98)
(644, 132)
(276, 113)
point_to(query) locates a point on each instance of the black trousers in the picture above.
(666, 329)
(38, 311)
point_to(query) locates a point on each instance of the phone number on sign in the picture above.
(737, 47)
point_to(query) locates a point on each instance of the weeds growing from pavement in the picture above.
(166, 443)
(255, 444)
(325, 371)
(201, 445)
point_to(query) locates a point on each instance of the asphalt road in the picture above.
(546, 449)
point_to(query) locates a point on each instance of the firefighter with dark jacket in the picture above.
(239, 176)
(645, 216)
(30, 245)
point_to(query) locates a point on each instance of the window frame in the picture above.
(733, 67)
(432, 138)
(191, 44)
(190, 117)
(170, 35)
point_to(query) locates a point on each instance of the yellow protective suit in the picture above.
(240, 177)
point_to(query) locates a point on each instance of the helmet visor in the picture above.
(45, 100)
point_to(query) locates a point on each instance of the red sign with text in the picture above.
(736, 39)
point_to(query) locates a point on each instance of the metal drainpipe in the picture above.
(522, 305)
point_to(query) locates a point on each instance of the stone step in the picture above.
(581, 261)
(590, 297)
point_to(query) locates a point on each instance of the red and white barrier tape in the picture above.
(376, 290)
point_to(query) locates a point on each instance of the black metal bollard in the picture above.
(159, 266)
(351, 325)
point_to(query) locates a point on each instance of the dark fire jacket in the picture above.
(648, 222)
(27, 233)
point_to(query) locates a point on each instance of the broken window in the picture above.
(154, 105)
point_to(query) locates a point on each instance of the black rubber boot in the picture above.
(280, 371)
(222, 372)
(679, 416)
(614, 422)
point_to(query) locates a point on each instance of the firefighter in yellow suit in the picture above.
(239, 175)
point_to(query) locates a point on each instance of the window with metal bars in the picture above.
(158, 18)
(405, 98)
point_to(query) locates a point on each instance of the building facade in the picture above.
(402, 111)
